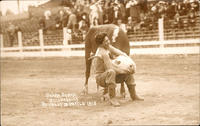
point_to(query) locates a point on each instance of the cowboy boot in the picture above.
(105, 94)
(133, 95)
(113, 100)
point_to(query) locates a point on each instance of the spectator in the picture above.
(60, 19)
(116, 13)
(171, 10)
(161, 6)
(129, 25)
(191, 18)
(100, 11)
(66, 3)
(78, 13)
(11, 33)
(148, 21)
(48, 21)
(135, 10)
(86, 8)
(122, 11)
(154, 15)
(143, 6)
(127, 9)
(182, 8)
(108, 17)
(72, 21)
(94, 15)
(177, 21)
(58, 23)
(47, 14)
(83, 25)
(195, 4)
(42, 23)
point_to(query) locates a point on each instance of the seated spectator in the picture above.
(177, 21)
(129, 25)
(149, 21)
(195, 4)
(191, 18)
(11, 33)
(144, 21)
(154, 13)
(183, 8)
(171, 10)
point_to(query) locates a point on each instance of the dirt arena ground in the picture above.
(46, 92)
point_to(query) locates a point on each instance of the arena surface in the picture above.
(169, 85)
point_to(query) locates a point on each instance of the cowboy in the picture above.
(107, 73)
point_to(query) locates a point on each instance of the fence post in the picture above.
(161, 31)
(20, 45)
(41, 41)
(65, 42)
(2, 44)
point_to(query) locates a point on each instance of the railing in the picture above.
(65, 50)
(186, 46)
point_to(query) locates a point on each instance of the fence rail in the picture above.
(66, 50)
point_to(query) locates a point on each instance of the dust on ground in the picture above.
(169, 85)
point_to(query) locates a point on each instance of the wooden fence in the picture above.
(186, 46)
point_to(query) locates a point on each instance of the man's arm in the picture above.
(116, 51)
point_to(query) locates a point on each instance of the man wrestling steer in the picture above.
(108, 73)
(119, 40)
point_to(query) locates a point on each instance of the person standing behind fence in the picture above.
(72, 20)
(94, 15)
(42, 22)
(11, 34)
(60, 18)
(135, 11)
(48, 22)
(116, 13)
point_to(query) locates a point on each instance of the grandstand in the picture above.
(53, 36)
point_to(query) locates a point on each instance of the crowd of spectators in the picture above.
(79, 15)
(130, 15)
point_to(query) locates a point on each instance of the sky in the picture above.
(12, 5)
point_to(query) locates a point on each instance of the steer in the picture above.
(118, 38)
